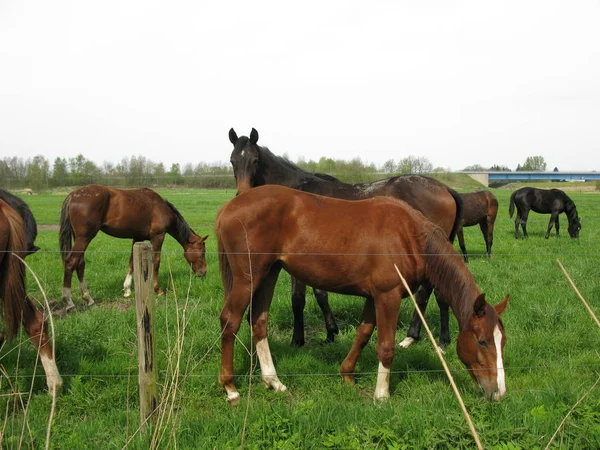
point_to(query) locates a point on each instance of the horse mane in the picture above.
(449, 275)
(24, 211)
(571, 209)
(184, 231)
(12, 275)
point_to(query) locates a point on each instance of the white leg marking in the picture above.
(127, 285)
(382, 390)
(85, 293)
(269, 374)
(53, 378)
(66, 296)
(499, 365)
(407, 342)
(233, 396)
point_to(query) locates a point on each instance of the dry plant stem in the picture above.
(446, 369)
(587, 306)
(251, 341)
(51, 322)
(569, 413)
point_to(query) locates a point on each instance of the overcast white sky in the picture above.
(460, 83)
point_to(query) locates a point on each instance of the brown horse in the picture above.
(254, 165)
(479, 208)
(349, 247)
(17, 308)
(138, 214)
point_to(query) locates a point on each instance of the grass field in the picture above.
(552, 356)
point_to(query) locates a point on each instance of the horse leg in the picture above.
(461, 243)
(488, 235)
(37, 330)
(157, 242)
(414, 331)
(74, 262)
(387, 307)
(363, 334)
(483, 226)
(129, 276)
(523, 216)
(444, 322)
(298, 303)
(261, 302)
(236, 302)
(330, 324)
(551, 224)
(557, 225)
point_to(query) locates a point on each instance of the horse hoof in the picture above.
(407, 342)
(90, 301)
(70, 307)
(233, 398)
(127, 294)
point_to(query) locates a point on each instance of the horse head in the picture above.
(244, 159)
(480, 346)
(194, 253)
(574, 226)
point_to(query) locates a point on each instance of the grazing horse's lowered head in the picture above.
(244, 159)
(480, 345)
(194, 253)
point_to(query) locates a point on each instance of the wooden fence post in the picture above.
(143, 278)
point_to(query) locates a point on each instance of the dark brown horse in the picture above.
(29, 222)
(349, 247)
(479, 208)
(138, 214)
(17, 308)
(544, 201)
(254, 165)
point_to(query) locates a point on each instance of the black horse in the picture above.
(543, 201)
(28, 220)
(254, 165)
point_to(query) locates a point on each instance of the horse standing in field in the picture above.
(479, 208)
(138, 214)
(254, 165)
(543, 201)
(17, 308)
(28, 220)
(268, 228)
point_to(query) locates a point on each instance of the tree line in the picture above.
(138, 171)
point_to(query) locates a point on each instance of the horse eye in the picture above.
(482, 342)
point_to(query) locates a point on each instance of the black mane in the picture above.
(183, 230)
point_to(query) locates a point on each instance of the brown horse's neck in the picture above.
(179, 228)
(450, 276)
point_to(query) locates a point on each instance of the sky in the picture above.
(459, 83)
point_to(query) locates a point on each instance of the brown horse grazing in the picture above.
(138, 214)
(254, 165)
(349, 247)
(17, 308)
(479, 208)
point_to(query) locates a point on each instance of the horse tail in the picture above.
(66, 231)
(15, 307)
(225, 267)
(511, 208)
(459, 213)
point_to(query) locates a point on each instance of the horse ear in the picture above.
(479, 306)
(500, 307)
(204, 238)
(253, 136)
(233, 136)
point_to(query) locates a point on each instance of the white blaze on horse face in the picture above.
(269, 374)
(499, 364)
(382, 389)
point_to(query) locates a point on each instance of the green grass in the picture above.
(551, 356)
